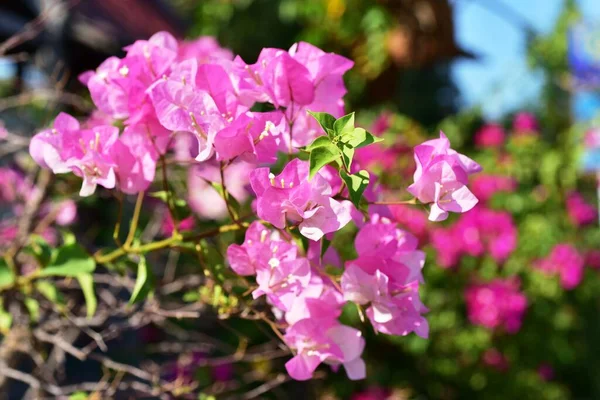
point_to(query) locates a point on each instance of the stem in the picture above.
(168, 242)
(230, 211)
(117, 229)
(134, 221)
(393, 203)
(170, 203)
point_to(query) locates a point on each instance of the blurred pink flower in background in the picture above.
(580, 212)
(495, 359)
(564, 260)
(490, 136)
(496, 304)
(485, 186)
(546, 372)
(525, 122)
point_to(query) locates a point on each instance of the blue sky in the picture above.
(499, 80)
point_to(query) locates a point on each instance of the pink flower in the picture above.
(67, 213)
(592, 259)
(317, 341)
(204, 199)
(485, 186)
(204, 49)
(167, 227)
(411, 218)
(441, 178)
(496, 304)
(591, 140)
(525, 122)
(490, 136)
(564, 260)
(385, 277)
(291, 195)
(495, 359)
(546, 372)
(580, 212)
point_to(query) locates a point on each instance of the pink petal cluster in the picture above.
(580, 212)
(485, 186)
(497, 304)
(15, 191)
(490, 136)
(164, 88)
(306, 302)
(495, 359)
(441, 178)
(477, 232)
(385, 278)
(525, 122)
(292, 196)
(567, 262)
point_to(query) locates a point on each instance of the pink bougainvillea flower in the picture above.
(580, 212)
(495, 359)
(496, 304)
(485, 186)
(441, 177)
(204, 199)
(525, 122)
(291, 195)
(564, 260)
(317, 341)
(490, 136)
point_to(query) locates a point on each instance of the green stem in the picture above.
(134, 221)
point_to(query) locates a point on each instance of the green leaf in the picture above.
(325, 120)
(5, 319)
(359, 138)
(143, 282)
(321, 156)
(68, 238)
(40, 249)
(344, 125)
(70, 260)
(7, 276)
(318, 142)
(79, 396)
(162, 195)
(50, 292)
(33, 307)
(357, 183)
(233, 203)
(348, 156)
(86, 281)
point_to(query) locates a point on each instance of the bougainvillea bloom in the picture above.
(485, 186)
(316, 341)
(496, 304)
(580, 212)
(441, 178)
(292, 196)
(525, 122)
(564, 260)
(490, 136)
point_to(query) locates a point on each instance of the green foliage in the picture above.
(69, 260)
(143, 282)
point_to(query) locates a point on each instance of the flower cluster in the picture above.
(564, 260)
(441, 178)
(194, 103)
(385, 277)
(163, 88)
(15, 191)
(307, 302)
(478, 232)
(496, 304)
